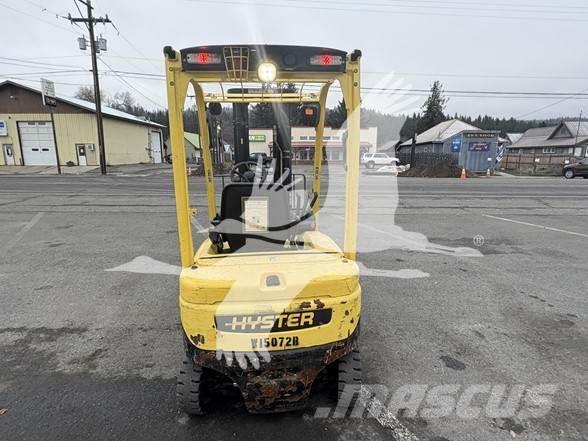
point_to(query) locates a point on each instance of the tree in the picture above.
(123, 101)
(434, 108)
(261, 115)
(337, 116)
(86, 93)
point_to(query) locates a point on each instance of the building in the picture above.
(261, 140)
(511, 138)
(27, 136)
(475, 149)
(568, 138)
(304, 138)
(191, 146)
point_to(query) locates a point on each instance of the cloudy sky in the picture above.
(472, 46)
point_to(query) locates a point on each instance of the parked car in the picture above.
(579, 169)
(263, 157)
(370, 160)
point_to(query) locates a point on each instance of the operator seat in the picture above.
(270, 205)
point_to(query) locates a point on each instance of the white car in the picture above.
(371, 160)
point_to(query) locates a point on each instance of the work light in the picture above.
(266, 72)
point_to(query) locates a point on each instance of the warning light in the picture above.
(204, 58)
(309, 111)
(326, 60)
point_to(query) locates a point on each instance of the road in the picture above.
(92, 354)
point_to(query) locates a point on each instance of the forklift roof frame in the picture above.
(178, 79)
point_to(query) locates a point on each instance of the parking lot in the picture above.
(495, 295)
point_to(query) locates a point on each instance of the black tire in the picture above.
(188, 388)
(349, 375)
(370, 165)
(569, 174)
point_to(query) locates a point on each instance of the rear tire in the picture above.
(370, 165)
(189, 387)
(349, 378)
(569, 174)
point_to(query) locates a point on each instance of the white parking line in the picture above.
(385, 417)
(201, 228)
(18, 236)
(573, 233)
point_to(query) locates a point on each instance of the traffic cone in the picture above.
(189, 171)
(464, 174)
(488, 173)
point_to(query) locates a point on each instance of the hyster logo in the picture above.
(273, 322)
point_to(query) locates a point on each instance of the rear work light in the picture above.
(204, 58)
(326, 60)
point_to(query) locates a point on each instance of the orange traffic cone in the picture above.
(464, 174)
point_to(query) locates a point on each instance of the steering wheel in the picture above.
(247, 176)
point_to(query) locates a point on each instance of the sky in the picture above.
(501, 46)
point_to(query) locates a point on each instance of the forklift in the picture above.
(267, 301)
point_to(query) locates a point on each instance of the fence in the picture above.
(427, 159)
(534, 164)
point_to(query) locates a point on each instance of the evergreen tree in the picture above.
(261, 116)
(434, 108)
(336, 117)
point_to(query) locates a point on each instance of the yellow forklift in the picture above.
(267, 300)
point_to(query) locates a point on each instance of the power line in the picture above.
(364, 72)
(436, 6)
(546, 107)
(534, 7)
(388, 11)
(122, 74)
(50, 72)
(483, 76)
(23, 63)
(37, 18)
(124, 81)
(132, 46)
(80, 12)
(26, 80)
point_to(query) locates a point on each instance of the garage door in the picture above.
(156, 147)
(38, 145)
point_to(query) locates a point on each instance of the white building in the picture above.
(303, 142)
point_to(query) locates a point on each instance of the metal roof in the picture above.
(442, 132)
(193, 138)
(514, 137)
(89, 106)
(577, 127)
(543, 136)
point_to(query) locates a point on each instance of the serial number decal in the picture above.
(275, 342)
(272, 323)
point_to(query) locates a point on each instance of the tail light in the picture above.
(326, 60)
(204, 58)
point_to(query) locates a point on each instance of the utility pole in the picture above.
(578, 135)
(90, 21)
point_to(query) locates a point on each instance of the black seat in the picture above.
(252, 215)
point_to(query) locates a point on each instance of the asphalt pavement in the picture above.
(477, 282)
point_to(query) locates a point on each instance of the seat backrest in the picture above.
(260, 214)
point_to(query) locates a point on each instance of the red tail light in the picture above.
(326, 60)
(204, 58)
